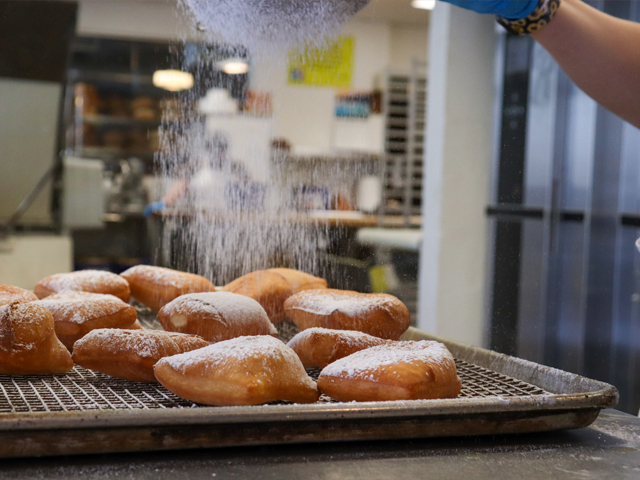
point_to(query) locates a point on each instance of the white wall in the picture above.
(25, 260)
(408, 42)
(456, 182)
(29, 112)
(304, 114)
(153, 20)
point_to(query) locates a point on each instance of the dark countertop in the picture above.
(610, 448)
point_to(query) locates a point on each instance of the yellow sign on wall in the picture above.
(328, 66)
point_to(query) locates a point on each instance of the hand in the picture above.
(511, 9)
(153, 208)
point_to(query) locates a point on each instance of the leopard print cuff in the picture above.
(540, 17)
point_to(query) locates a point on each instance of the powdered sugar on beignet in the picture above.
(159, 276)
(94, 281)
(28, 343)
(157, 286)
(131, 354)
(10, 294)
(377, 314)
(216, 316)
(242, 371)
(77, 313)
(408, 370)
(318, 347)
(328, 301)
(80, 307)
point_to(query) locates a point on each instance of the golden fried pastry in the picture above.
(216, 316)
(130, 354)
(411, 370)
(377, 314)
(28, 342)
(300, 281)
(77, 313)
(318, 347)
(241, 371)
(269, 289)
(136, 326)
(272, 287)
(9, 294)
(94, 281)
(157, 286)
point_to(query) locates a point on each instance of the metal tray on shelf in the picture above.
(88, 412)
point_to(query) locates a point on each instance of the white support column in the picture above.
(456, 179)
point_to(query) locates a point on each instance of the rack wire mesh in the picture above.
(86, 390)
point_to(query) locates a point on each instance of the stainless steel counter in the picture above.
(610, 448)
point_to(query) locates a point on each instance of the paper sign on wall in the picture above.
(328, 66)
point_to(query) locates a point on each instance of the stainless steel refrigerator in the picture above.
(564, 214)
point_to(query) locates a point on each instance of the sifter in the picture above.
(251, 22)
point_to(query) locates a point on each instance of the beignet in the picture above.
(410, 370)
(10, 294)
(131, 354)
(28, 343)
(94, 281)
(300, 281)
(77, 313)
(157, 286)
(272, 287)
(377, 314)
(241, 371)
(216, 316)
(318, 347)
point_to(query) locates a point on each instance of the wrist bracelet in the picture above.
(536, 20)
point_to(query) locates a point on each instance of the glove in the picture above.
(511, 9)
(153, 208)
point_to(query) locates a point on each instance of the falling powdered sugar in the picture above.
(236, 196)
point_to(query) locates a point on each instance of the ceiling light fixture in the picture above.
(234, 66)
(423, 4)
(172, 80)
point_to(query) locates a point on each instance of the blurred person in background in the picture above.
(204, 177)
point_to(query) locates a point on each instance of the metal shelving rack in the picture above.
(404, 109)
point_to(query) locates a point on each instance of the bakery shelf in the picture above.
(109, 120)
(111, 153)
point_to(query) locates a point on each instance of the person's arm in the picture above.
(600, 53)
(177, 190)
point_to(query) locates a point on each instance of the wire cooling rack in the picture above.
(86, 390)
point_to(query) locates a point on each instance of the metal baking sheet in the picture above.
(88, 412)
